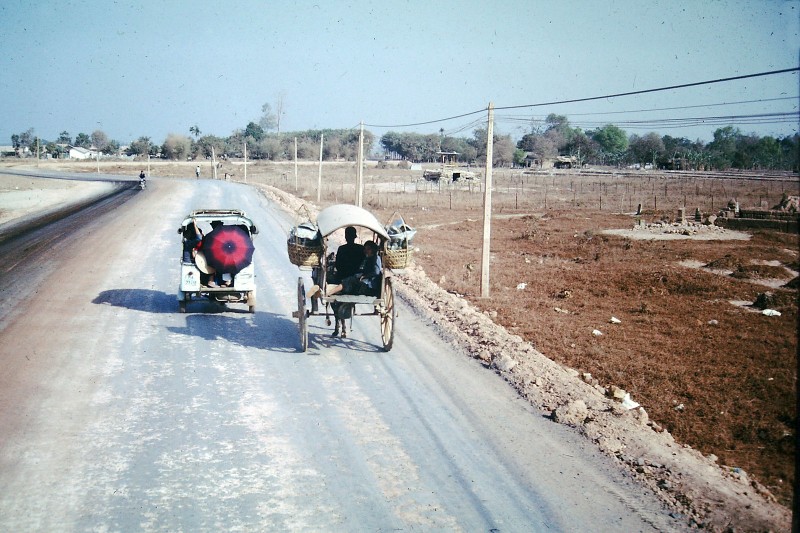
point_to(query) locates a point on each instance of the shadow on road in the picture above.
(263, 331)
(212, 321)
(319, 338)
(139, 300)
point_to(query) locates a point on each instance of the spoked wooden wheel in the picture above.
(387, 316)
(301, 315)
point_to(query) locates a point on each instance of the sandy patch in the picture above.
(664, 232)
(21, 196)
(773, 283)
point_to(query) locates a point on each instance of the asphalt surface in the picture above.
(120, 414)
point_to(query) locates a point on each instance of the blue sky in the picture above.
(134, 68)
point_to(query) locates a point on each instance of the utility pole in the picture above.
(295, 164)
(319, 178)
(487, 205)
(360, 168)
(245, 162)
(213, 164)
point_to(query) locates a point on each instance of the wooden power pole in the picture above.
(319, 178)
(487, 205)
(360, 168)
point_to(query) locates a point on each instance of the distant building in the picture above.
(76, 152)
(562, 161)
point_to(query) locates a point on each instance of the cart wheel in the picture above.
(251, 302)
(301, 314)
(387, 318)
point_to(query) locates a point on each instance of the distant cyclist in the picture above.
(142, 180)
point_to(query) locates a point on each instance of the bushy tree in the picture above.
(790, 152)
(646, 149)
(22, 140)
(582, 147)
(99, 140)
(141, 146)
(254, 131)
(269, 148)
(540, 145)
(54, 150)
(202, 147)
(64, 138)
(722, 149)
(611, 139)
(502, 148)
(83, 140)
(111, 148)
(176, 146)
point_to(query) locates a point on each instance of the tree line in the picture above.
(339, 144)
(608, 145)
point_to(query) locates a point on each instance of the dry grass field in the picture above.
(707, 366)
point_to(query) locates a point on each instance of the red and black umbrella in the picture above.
(228, 249)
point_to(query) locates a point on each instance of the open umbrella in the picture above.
(228, 249)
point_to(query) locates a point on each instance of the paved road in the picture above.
(120, 414)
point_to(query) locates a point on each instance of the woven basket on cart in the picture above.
(396, 258)
(304, 255)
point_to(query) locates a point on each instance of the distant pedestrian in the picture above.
(197, 171)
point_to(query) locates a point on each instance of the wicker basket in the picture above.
(304, 255)
(396, 258)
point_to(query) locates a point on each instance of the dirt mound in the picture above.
(775, 300)
(725, 263)
(759, 272)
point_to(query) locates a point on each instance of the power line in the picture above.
(760, 100)
(588, 99)
(761, 118)
(428, 122)
(659, 89)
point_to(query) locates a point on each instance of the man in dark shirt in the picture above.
(349, 256)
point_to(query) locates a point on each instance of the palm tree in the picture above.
(194, 130)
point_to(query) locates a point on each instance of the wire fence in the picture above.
(520, 191)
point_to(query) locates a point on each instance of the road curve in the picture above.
(119, 413)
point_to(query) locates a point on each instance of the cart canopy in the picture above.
(340, 216)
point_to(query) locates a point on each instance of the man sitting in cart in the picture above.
(366, 281)
(349, 257)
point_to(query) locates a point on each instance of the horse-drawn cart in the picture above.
(310, 253)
